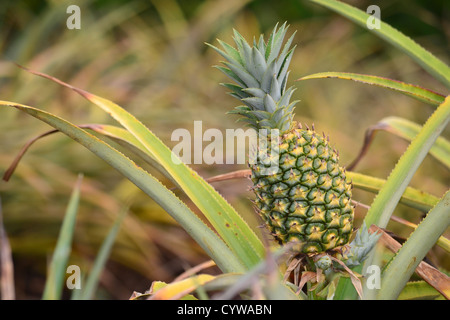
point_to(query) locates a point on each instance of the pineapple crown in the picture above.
(260, 74)
(360, 247)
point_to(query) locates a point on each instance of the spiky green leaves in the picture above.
(260, 73)
(357, 251)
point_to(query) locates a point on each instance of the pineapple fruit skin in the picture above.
(307, 201)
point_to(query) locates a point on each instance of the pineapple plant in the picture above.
(301, 192)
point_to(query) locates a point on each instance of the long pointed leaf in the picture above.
(179, 289)
(205, 237)
(414, 91)
(407, 130)
(388, 197)
(87, 292)
(435, 278)
(413, 198)
(424, 58)
(58, 266)
(415, 290)
(414, 250)
(228, 223)
(114, 132)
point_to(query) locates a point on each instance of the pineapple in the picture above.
(301, 192)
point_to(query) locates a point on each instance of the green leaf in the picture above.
(414, 250)
(424, 58)
(227, 222)
(116, 133)
(419, 290)
(179, 289)
(120, 134)
(58, 266)
(205, 237)
(411, 197)
(408, 130)
(388, 197)
(232, 228)
(88, 290)
(411, 90)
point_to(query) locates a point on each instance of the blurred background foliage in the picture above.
(150, 57)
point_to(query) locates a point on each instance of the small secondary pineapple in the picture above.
(306, 199)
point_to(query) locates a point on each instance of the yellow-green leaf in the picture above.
(227, 222)
(411, 90)
(424, 58)
(201, 233)
(179, 289)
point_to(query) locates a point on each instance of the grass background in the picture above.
(150, 57)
